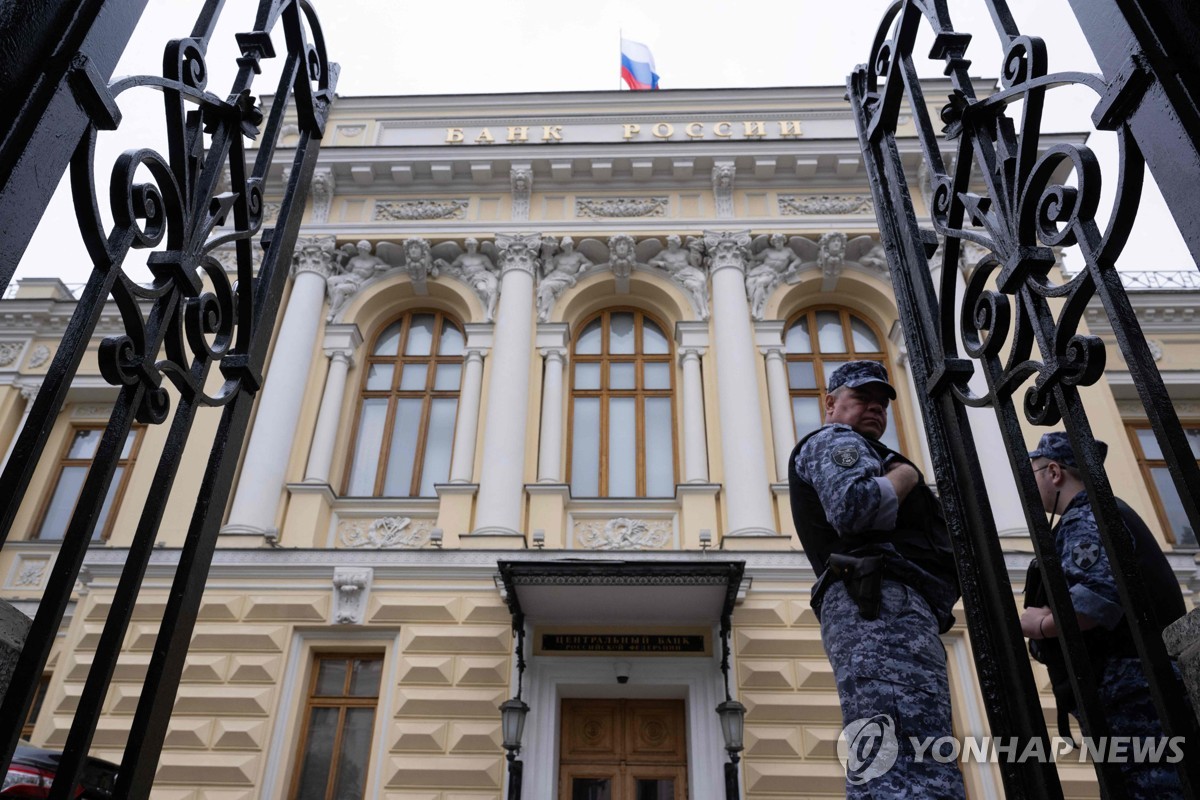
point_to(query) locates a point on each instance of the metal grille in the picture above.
(995, 185)
(204, 191)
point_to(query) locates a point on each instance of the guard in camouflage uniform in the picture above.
(1124, 692)
(886, 585)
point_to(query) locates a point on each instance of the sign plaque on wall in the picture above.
(584, 641)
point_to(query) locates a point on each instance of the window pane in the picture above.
(1193, 436)
(447, 377)
(1176, 518)
(588, 342)
(438, 441)
(620, 334)
(355, 755)
(84, 443)
(407, 425)
(106, 509)
(420, 336)
(1149, 444)
(829, 332)
(890, 437)
(413, 377)
(388, 343)
(366, 449)
(130, 441)
(451, 343)
(379, 377)
(318, 754)
(62, 503)
(660, 454)
(653, 341)
(655, 789)
(801, 375)
(622, 447)
(807, 413)
(331, 677)
(591, 789)
(829, 367)
(657, 375)
(587, 375)
(622, 376)
(585, 448)
(364, 677)
(864, 338)
(797, 340)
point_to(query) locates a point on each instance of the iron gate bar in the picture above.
(230, 325)
(1025, 211)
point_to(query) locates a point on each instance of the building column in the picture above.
(28, 393)
(747, 485)
(260, 485)
(466, 426)
(691, 339)
(501, 484)
(783, 427)
(340, 343)
(552, 340)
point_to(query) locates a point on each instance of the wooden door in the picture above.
(623, 750)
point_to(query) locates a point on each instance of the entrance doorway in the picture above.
(623, 750)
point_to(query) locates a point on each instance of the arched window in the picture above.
(818, 341)
(405, 427)
(622, 414)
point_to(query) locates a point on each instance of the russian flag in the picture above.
(637, 66)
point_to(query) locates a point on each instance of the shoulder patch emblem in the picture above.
(1085, 556)
(845, 456)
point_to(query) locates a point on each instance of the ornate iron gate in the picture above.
(188, 321)
(991, 183)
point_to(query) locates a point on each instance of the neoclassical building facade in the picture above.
(524, 433)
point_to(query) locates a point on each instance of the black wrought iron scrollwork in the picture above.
(191, 319)
(1013, 197)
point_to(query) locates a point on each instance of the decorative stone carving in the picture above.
(385, 533)
(418, 263)
(91, 412)
(39, 356)
(31, 572)
(686, 269)
(521, 179)
(322, 190)
(519, 251)
(769, 268)
(355, 265)
(9, 352)
(473, 268)
(351, 587)
(621, 207)
(722, 181)
(622, 257)
(825, 204)
(1156, 349)
(559, 273)
(408, 210)
(271, 213)
(726, 249)
(226, 255)
(317, 254)
(831, 253)
(623, 533)
(351, 131)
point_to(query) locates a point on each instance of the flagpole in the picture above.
(620, 38)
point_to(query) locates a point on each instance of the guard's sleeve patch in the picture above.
(845, 456)
(1085, 556)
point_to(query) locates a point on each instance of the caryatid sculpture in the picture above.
(684, 267)
(768, 269)
(478, 271)
(559, 273)
(354, 267)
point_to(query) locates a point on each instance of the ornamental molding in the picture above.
(410, 210)
(825, 204)
(39, 356)
(724, 249)
(30, 572)
(322, 189)
(1133, 409)
(521, 180)
(351, 588)
(519, 252)
(621, 207)
(722, 181)
(9, 352)
(623, 533)
(385, 533)
(317, 254)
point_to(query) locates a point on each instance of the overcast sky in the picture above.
(472, 46)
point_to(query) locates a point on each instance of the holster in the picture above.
(863, 577)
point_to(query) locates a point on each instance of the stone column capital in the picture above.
(316, 254)
(691, 353)
(519, 252)
(726, 249)
(342, 341)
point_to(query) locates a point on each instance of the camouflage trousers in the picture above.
(892, 682)
(1125, 697)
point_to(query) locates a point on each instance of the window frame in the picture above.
(393, 394)
(344, 701)
(100, 534)
(604, 393)
(1145, 465)
(35, 708)
(817, 359)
